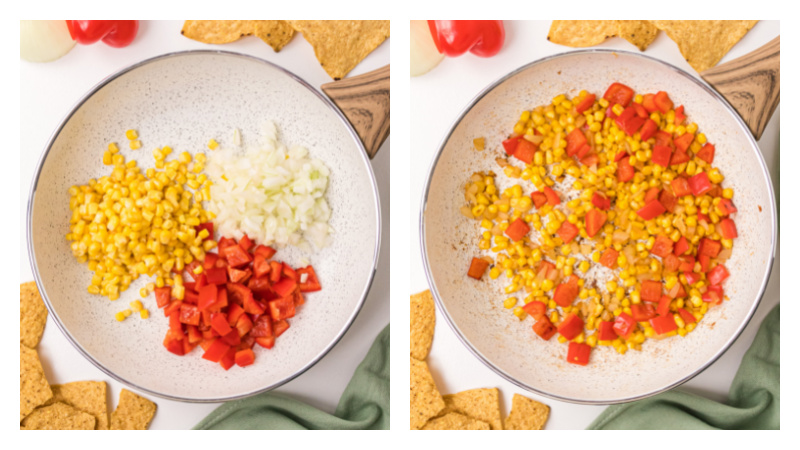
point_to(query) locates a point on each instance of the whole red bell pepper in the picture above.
(482, 38)
(114, 33)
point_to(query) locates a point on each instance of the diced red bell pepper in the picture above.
(642, 312)
(571, 326)
(601, 201)
(703, 218)
(216, 350)
(663, 305)
(228, 359)
(173, 306)
(726, 207)
(605, 331)
(189, 314)
(245, 357)
(279, 326)
(163, 296)
(477, 268)
(219, 322)
(651, 210)
(609, 258)
(620, 154)
(210, 260)
(535, 309)
(175, 321)
(662, 246)
(236, 256)
(575, 140)
(234, 312)
(649, 103)
(712, 297)
(539, 199)
(544, 328)
(284, 287)
(262, 327)
(648, 129)
(193, 334)
(631, 125)
(565, 294)
(174, 346)
(663, 138)
(261, 266)
(552, 196)
(311, 282)
(651, 290)
(683, 141)
(709, 247)
(246, 243)
(517, 229)
(264, 251)
(207, 296)
(238, 293)
(681, 246)
(706, 153)
(663, 102)
(253, 306)
(661, 155)
(244, 325)
(276, 268)
(717, 275)
(216, 276)
(567, 232)
(625, 170)
(510, 144)
(288, 272)
(679, 115)
(586, 103)
(578, 353)
(686, 316)
(692, 277)
(663, 324)
(282, 308)
(679, 157)
(619, 94)
(668, 200)
(704, 261)
(624, 325)
(595, 219)
(727, 228)
(525, 151)
(590, 160)
(680, 187)
(651, 194)
(699, 184)
(671, 263)
(238, 276)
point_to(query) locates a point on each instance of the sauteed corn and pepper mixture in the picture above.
(618, 227)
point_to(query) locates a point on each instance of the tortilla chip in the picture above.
(133, 412)
(426, 401)
(32, 314)
(581, 33)
(480, 404)
(704, 42)
(217, 31)
(34, 389)
(341, 44)
(86, 396)
(526, 414)
(423, 321)
(59, 416)
(455, 421)
(276, 33)
(640, 33)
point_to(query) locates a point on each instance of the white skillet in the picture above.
(474, 310)
(183, 100)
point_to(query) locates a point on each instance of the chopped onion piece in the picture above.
(275, 194)
(44, 40)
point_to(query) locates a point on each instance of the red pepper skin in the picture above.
(482, 38)
(114, 33)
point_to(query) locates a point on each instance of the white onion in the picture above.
(274, 194)
(44, 40)
(424, 55)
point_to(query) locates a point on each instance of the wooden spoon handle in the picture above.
(752, 84)
(364, 100)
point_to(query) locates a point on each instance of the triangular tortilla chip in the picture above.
(704, 42)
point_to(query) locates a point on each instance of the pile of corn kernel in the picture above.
(128, 223)
(626, 232)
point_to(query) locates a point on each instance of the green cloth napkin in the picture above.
(753, 400)
(364, 405)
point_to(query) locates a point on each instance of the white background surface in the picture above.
(47, 93)
(437, 99)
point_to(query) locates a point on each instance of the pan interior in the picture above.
(183, 101)
(508, 345)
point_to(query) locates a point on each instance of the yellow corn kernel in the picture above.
(131, 134)
(510, 302)
(144, 314)
(120, 316)
(520, 313)
(136, 144)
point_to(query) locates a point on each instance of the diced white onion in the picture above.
(274, 194)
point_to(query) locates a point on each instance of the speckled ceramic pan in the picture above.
(183, 100)
(474, 310)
